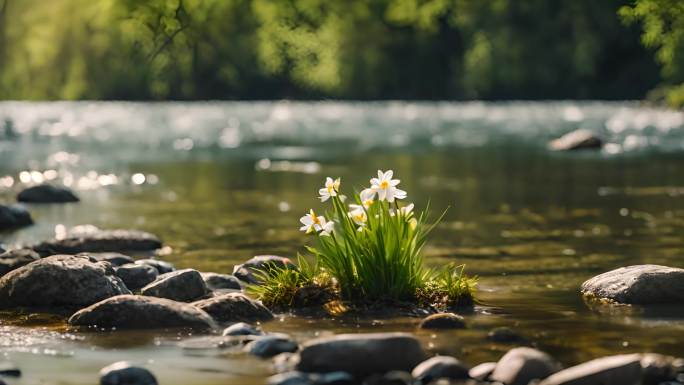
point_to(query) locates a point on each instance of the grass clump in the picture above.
(368, 250)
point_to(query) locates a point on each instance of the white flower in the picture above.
(330, 190)
(403, 211)
(327, 228)
(367, 196)
(312, 222)
(386, 187)
(358, 214)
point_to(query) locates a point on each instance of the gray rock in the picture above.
(14, 216)
(614, 370)
(91, 239)
(9, 369)
(521, 365)
(443, 321)
(14, 259)
(335, 378)
(290, 378)
(123, 373)
(161, 266)
(394, 377)
(505, 335)
(182, 285)
(116, 259)
(361, 354)
(60, 280)
(242, 329)
(576, 140)
(140, 312)
(299, 378)
(216, 281)
(234, 307)
(440, 367)
(271, 345)
(245, 271)
(482, 371)
(639, 284)
(136, 276)
(47, 193)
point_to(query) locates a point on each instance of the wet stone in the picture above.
(116, 259)
(182, 285)
(216, 281)
(443, 321)
(639, 284)
(161, 266)
(140, 312)
(124, 373)
(14, 216)
(394, 377)
(89, 238)
(14, 259)
(519, 366)
(482, 371)
(242, 329)
(290, 378)
(613, 370)
(271, 345)
(8, 369)
(60, 281)
(440, 367)
(504, 335)
(136, 276)
(234, 307)
(47, 193)
(245, 272)
(577, 140)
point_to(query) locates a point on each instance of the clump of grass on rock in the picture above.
(368, 250)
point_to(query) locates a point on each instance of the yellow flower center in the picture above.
(384, 184)
(330, 189)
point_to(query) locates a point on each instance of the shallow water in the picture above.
(220, 182)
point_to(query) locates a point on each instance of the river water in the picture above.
(220, 182)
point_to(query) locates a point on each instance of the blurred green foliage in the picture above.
(663, 30)
(361, 49)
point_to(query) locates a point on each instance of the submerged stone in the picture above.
(234, 307)
(136, 276)
(91, 239)
(245, 272)
(505, 335)
(271, 345)
(60, 281)
(440, 367)
(361, 354)
(14, 259)
(182, 285)
(443, 321)
(639, 284)
(242, 329)
(140, 312)
(47, 193)
(14, 216)
(124, 373)
(521, 365)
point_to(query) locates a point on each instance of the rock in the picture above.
(440, 367)
(290, 378)
(14, 216)
(140, 312)
(9, 369)
(216, 281)
(335, 378)
(136, 276)
(91, 239)
(361, 354)
(14, 259)
(299, 378)
(182, 285)
(271, 345)
(576, 140)
(245, 271)
(123, 373)
(639, 284)
(443, 321)
(614, 370)
(242, 329)
(521, 365)
(505, 335)
(47, 193)
(116, 259)
(234, 307)
(161, 266)
(394, 377)
(60, 280)
(656, 368)
(482, 371)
